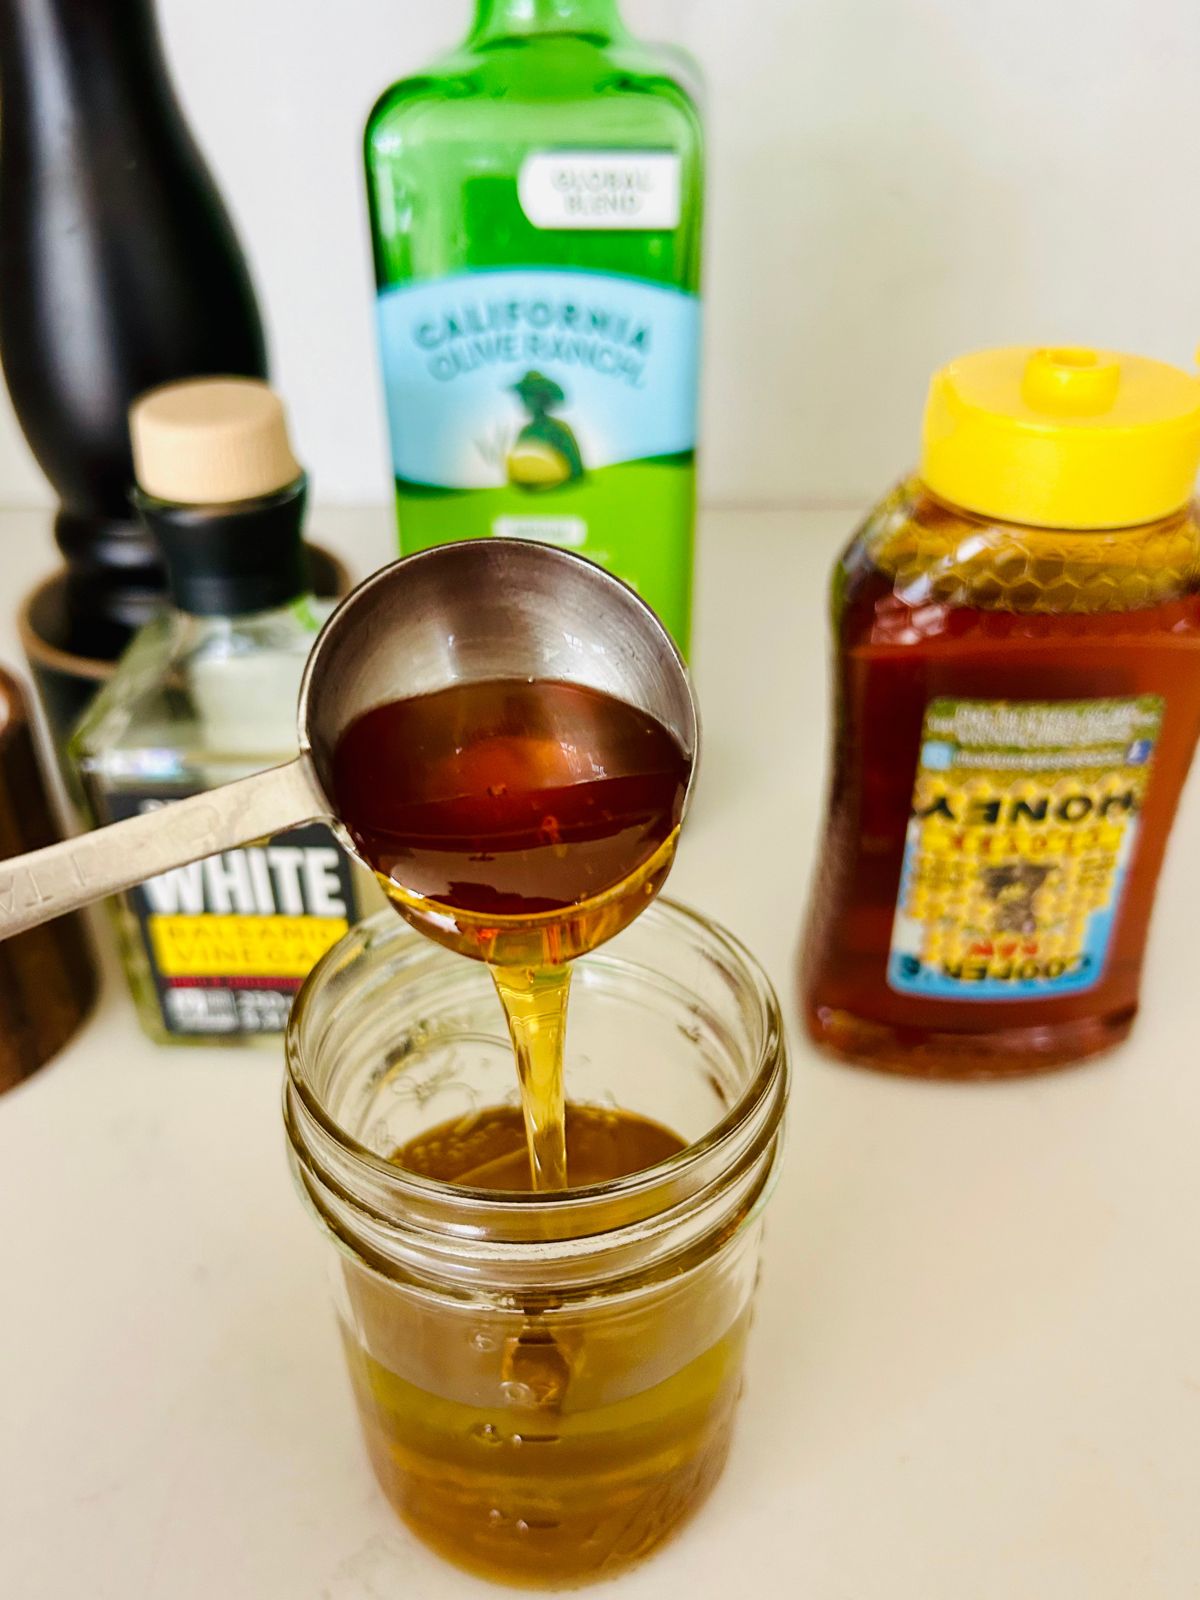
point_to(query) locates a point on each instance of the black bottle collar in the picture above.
(234, 559)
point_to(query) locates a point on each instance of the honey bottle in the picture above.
(1017, 699)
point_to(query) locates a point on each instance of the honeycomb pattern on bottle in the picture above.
(937, 555)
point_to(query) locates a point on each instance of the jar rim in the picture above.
(681, 1171)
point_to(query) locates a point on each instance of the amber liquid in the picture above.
(900, 644)
(567, 1450)
(488, 1151)
(521, 823)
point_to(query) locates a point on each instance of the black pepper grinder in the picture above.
(119, 270)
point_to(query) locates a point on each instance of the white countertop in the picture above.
(975, 1369)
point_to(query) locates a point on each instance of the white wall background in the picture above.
(891, 181)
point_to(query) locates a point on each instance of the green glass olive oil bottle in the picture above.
(536, 202)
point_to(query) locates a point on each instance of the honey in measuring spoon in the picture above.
(521, 823)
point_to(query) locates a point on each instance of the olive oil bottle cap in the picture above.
(211, 441)
(1062, 438)
(219, 487)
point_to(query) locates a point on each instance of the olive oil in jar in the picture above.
(575, 1463)
(547, 1381)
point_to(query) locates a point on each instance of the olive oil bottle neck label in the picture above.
(1024, 820)
(601, 189)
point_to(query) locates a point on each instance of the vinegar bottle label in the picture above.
(1024, 821)
(228, 941)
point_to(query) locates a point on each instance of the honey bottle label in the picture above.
(1024, 821)
(229, 940)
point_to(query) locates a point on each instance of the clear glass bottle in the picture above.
(547, 1382)
(1017, 701)
(536, 204)
(207, 693)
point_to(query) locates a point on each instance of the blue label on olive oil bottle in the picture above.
(549, 404)
(1024, 820)
(531, 379)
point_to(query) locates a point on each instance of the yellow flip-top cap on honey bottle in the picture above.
(1062, 438)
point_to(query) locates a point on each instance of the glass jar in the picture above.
(546, 1382)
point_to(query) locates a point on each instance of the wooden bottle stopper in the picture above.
(211, 441)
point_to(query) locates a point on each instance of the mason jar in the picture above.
(546, 1381)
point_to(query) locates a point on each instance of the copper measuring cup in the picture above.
(483, 608)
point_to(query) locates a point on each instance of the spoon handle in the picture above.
(46, 883)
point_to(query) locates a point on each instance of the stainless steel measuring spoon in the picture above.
(484, 608)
